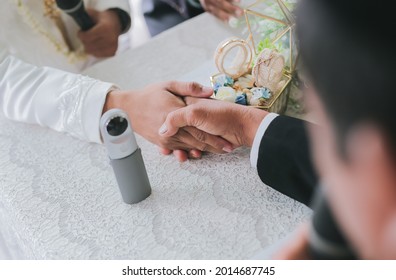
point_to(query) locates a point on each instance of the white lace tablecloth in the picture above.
(59, 198)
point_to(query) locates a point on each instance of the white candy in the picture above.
(257, 101)
(260, 96)
(246, 81)
(226, 94)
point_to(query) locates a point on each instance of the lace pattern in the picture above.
(74, 91)
(59, 200)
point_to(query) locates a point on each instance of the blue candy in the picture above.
(222, 80)
(216, 87)
(241, 99)
(261, 92)
(225, 80)
(226, 94)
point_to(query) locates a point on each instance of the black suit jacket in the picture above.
(284, 161)
(163, 14)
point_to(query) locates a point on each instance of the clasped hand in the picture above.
(180, 118)
(235, 123)
(148, 109)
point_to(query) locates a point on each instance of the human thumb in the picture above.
(175, 120)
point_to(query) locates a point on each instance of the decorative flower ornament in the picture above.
(268, 69)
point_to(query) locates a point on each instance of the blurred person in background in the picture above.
(39, 33)
(161, 15)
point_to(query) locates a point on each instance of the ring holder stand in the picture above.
(266, 75)
(269, 68)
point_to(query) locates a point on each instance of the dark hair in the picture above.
(350, 62)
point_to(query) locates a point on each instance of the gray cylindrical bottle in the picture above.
(125, 156)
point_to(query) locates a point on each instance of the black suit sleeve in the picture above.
(284, 160)
(284, 163)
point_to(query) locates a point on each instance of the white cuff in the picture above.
(104, 5)
(259, 135)
(93, 108)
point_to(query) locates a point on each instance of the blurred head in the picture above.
(351, 70)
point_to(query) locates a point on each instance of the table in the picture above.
(59, 198)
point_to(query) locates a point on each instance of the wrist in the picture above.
(251, 120)
(115, 99)
(124, 19)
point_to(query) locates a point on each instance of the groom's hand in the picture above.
(148, 108)
(236, 123)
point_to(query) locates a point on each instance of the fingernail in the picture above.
(239, 13)
(163, 129)
(227, 149)
(207, 90)
(194, 154)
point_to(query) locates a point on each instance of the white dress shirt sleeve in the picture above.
(52, 98)
(259, 135)
(102, 5)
